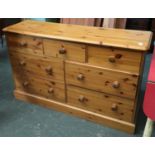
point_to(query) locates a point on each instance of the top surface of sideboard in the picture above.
(129, 39)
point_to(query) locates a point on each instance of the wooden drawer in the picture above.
(65, 50)
(25, 44)
(117, 59)
(116, 107)
(45, 88)
(52, 68)
(103, 80)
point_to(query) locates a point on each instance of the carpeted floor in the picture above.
(18, 118)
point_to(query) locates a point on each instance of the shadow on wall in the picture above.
(56, 20)
(10, 21)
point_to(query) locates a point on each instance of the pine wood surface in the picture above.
(102, 80)
(94, 73)
(109, 105)
(130, 39)
(46, 88)
(44, 67)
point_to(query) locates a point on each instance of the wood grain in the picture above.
(130, 39)
(73, 51)
(101, 103)
(45, 88)
(101, 79)
(94, 73)
(25, 44)
(44, 67)
(124, 60)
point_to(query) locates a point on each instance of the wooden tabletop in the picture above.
(130, 39)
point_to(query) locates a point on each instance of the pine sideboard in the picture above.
(90, 72)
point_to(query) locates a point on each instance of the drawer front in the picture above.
(52, 68)
(116, 107)
(25, 44)
(44, 88)
(65, 50)
(99, 79)
(117, 59)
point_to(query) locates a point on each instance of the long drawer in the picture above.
(45, 88)
(25, 44)
(115, 58)
(65, 50)
(109, 105)
(102, 80)
(52, 68)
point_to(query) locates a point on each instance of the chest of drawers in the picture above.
(90, 72)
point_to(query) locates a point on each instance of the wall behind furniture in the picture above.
(56, 20)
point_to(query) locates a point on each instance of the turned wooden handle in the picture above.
(23, 44)
(49, 70)
(80, 76)
(62, 50)
(25, 84)
(114, 107)
(50, 90)
(81, 98)
(115, 84)
(112, 59)
(22, 63)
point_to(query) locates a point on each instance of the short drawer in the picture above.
(65, 50)
(103, 80)
(115, 58)
(108, 105)
(25, 44)
(44, 88)
(52, 68)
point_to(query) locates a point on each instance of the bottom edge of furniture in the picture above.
(88, 115)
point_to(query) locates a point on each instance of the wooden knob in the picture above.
(50, 90)
(116, 84)
(23, 44)
(26, 83)
(49, 70)
(80, 77)
(81, 98)
(114, 107)
(112, 59)
(62, 50)
(22, 63)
